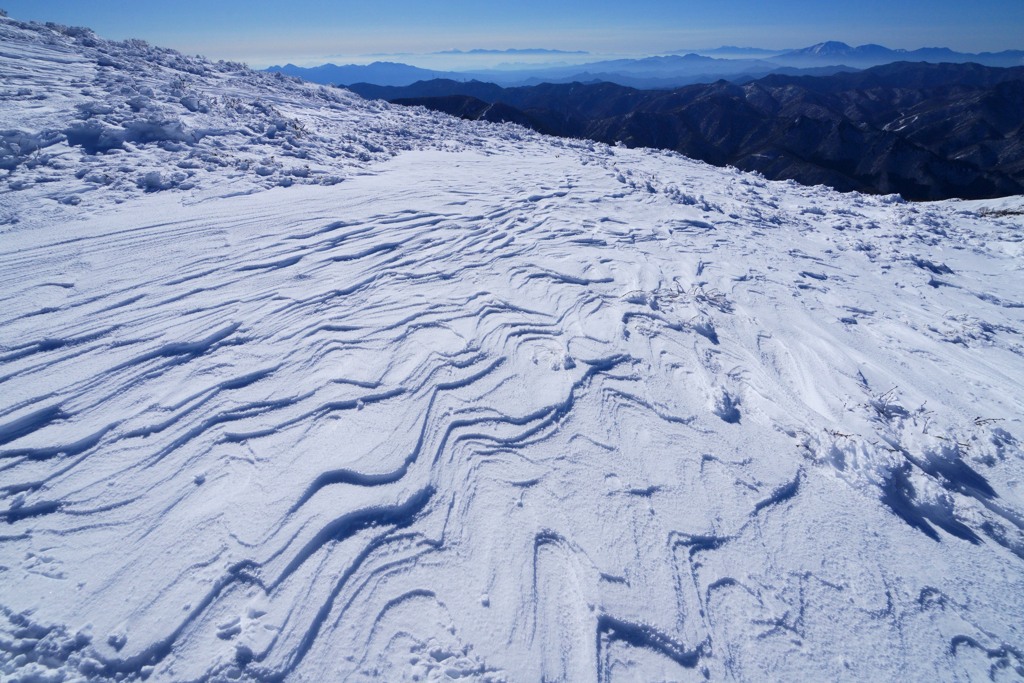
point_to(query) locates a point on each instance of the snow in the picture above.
(463, 401)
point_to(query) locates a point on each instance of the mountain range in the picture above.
(864, 56)
(926, 131)
(667, 71)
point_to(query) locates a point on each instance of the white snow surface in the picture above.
(295, 386)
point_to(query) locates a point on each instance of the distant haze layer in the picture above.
(309, 31)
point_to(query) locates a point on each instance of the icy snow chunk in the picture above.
(152, 181)
(87, 110)
(158, 130)
(193, 103)
(95, 137)
(16, 146)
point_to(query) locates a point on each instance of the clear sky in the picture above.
(310, 31)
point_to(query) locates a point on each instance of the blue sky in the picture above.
(309, 31)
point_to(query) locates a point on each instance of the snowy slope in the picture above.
(467, 402)
(150, 119)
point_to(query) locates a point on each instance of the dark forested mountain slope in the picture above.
(926, 131)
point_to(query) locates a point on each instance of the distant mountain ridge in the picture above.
(512, 51)
(661, 71)
(865, 56)
(381, 73)
(734, 51)
(926, 131)
(664, 72)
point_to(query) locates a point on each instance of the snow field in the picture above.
(495, 407)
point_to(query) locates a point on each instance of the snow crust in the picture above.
(495, 407)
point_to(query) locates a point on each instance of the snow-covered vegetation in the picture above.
(94, 121)
(295, 386)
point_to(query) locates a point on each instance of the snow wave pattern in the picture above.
(523, 419)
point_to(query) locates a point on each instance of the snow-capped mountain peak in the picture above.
(828, 48)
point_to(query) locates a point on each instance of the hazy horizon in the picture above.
(310, 32)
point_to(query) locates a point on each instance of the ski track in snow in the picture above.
(524, 410)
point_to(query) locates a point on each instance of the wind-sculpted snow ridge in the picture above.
(553, 412)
